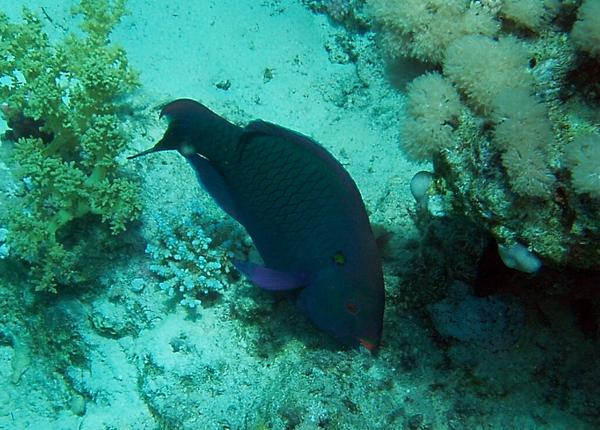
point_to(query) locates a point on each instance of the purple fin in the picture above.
(269, 279)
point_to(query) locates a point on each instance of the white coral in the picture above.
(483, 68)
(582, 157)
(433, 105)
(532, 14)
(423, 29)
(586, 31)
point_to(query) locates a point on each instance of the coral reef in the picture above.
(120, 356)
(350, 13)
(192, 256)
(511, 119)
(61, 100)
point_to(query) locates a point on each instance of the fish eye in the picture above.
(352, 308)
(186, 148)
(339, 258)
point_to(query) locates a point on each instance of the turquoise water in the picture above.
(120, 304)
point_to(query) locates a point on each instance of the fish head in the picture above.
(187, 119)
(348, 305)
(173, 139)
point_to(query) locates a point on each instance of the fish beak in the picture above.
(371, 346)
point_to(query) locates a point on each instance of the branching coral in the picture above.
(192, 257)
(66, 158)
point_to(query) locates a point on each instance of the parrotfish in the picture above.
(301, 208)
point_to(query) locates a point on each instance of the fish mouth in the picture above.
(368, 343)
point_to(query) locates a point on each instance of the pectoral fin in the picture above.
(214, 183)
(269, 279)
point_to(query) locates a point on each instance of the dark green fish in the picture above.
(301, 208)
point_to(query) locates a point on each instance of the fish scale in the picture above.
(269, 199)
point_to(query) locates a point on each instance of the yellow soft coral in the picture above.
(68, 169)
